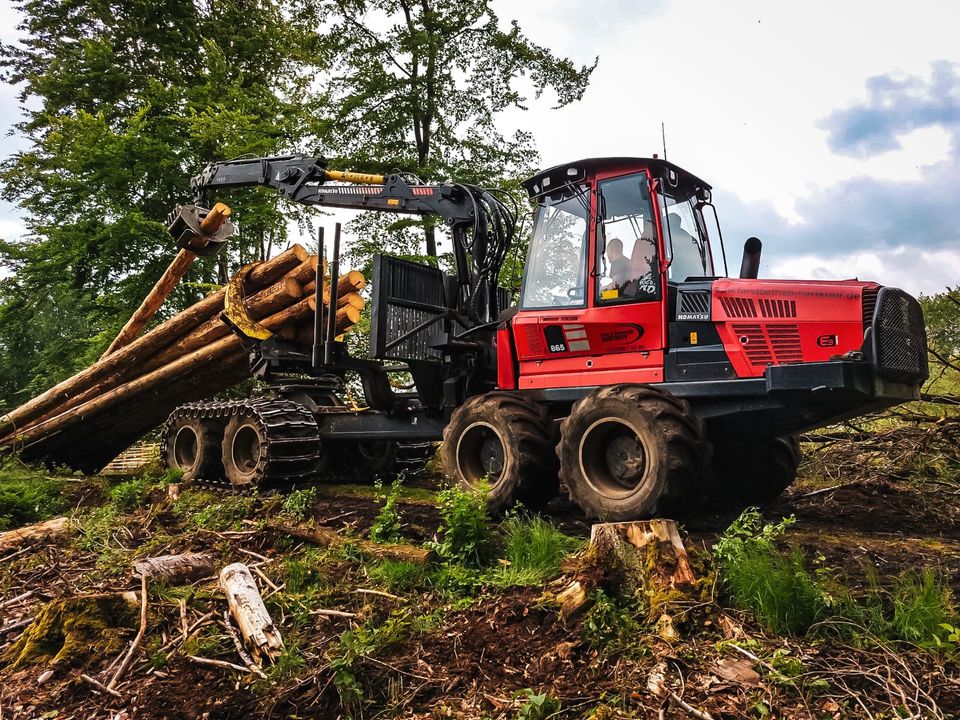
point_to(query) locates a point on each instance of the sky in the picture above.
(831, 130)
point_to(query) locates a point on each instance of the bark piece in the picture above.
(248, 610)
(176, 569)
(47, 530)
(325, 537)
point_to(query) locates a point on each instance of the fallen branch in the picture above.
(238, 644)
(99, 685)
(176, 569)
(379, 593)
(118, 675)
(251, 614)
(48, 530)
(333, 613)
(223, 664)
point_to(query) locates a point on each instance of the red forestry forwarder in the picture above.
(632, 373)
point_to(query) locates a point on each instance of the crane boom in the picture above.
(481, 225)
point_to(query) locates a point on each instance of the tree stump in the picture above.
(644, 558)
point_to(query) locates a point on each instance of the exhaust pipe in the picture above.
(750, 265)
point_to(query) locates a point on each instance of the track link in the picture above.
(289, 439)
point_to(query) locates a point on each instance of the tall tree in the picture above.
(123, 102)
(417, 85)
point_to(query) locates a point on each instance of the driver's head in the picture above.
(615, 249)
(674, 221)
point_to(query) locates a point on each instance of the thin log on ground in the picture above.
(325, 537)
(246, 606)
(143, 347)
(47, 530)
(222, 664)
(97, 685)
(175, 569)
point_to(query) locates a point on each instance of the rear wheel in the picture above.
(752, 473)
(629, 452)
(192, 445)
(504, 441)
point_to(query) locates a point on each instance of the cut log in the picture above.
(248, 610)
(346, 316)
(325, 537)
(161, 377)
(176, 569)
(353, 299)
(144, 347)
(47, 530)
(306, 272)
(152, 302)
(351, 281)
(645, 557)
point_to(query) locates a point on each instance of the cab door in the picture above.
(624, 322)
(591, 310)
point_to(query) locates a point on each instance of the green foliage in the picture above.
(465, 535)
(533, 549)
(354, 645)
(298, 503)
(214, 511)
(922, 608)
(130, 494)
(536, 706)
(613, 625)
(775, 587)
(418, 88)
(786, 597)
(27, 495)
(386, 526)
(398, 575)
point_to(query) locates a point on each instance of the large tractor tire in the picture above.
(270, 442)
(754, 472)
(191, 444)
(504, 441)
(629, 452)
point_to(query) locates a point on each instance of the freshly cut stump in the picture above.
(644, 556)
(506, 442)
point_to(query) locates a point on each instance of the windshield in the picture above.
(685, 240)
(555, 271)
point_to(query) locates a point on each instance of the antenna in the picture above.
(663, 135)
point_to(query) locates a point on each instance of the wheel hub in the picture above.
(480, 454)
(612, 458)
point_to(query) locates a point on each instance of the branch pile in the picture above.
(86, 420)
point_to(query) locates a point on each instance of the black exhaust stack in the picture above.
(750, 265)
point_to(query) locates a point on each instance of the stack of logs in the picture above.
(86, 420)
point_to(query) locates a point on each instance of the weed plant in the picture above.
(386, 526)
(465, 536)
(533, 549)
(28, 495)
(298, 503)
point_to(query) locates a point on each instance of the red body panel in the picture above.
(766, 322)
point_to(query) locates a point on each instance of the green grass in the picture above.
(534, 550)
(28, 495)
(465, 535)
(299, 503)
(787, 598)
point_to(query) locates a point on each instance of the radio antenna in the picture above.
(663, 135)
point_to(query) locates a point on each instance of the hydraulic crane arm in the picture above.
(481, 225)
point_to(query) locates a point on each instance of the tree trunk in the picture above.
(248, 610)
(144, 347)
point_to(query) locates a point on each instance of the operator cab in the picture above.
(612, 239)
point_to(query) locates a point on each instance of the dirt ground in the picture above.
(478, 657)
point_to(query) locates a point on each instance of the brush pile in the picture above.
(86, 420)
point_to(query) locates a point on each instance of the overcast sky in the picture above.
(831, 130)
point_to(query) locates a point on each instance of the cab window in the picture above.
(688, 249)
(627, 264)
(555, 274)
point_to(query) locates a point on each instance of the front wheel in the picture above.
(629, 452)
(503, 442)
(191, 444)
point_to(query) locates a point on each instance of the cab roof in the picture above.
(578, 170)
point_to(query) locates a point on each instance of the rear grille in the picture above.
(899, 336)
(778, 308)
(739, 307)
(770, 344)
(694, 305)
